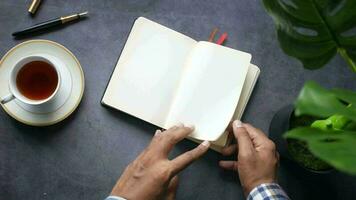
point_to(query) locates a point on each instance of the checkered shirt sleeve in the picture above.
(268, 191)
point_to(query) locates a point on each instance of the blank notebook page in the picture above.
(209, 90)
(148, 71)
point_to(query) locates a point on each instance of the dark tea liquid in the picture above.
(37, 80)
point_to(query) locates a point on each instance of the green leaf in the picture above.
(316, 101)
(314, 30)
(345, 95)
(333, 137)
(336, 148)
(335, 122)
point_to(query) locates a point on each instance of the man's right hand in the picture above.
(257, 158)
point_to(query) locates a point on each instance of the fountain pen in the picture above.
(49, 24)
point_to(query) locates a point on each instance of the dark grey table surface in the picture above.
(82, 157)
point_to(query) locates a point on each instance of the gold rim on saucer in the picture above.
(68, 113)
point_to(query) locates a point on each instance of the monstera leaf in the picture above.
(336, 148)
(331, 138)
(314, 30)
(317, 101)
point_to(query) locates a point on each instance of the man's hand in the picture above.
(257, 159)
(152, 175)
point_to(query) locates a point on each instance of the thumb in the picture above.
(245, 146)
(172, 188)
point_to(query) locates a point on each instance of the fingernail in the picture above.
(191, 127)
(206, 143)
(237, 123)
(158, 132)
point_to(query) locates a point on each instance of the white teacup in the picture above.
(15, 93)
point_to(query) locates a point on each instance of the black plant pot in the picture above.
(279, 125)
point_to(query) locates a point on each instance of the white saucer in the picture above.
(67, 100)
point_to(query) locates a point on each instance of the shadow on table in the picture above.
(46, 133)
(302, 184)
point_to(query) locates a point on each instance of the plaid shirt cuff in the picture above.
(268, 191)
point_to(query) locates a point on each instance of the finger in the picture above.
(229, 150)
(228, 164)
(257, 136)
(187, 158)
(155, 138)
(243, 139)
(174, 135)
(175, 127)
(229, 127)
(230, 136)
(158, 132)
(172, 188)
(254, 131)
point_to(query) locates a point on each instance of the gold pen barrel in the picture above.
(73, 17)
(69, 18)
(33, 7)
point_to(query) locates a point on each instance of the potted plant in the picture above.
(319, 131)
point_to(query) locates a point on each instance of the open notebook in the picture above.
(165, 77)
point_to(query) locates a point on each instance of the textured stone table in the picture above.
(82, 157)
